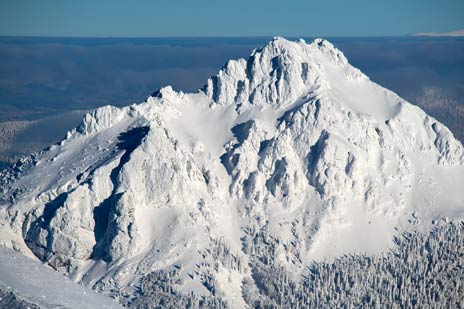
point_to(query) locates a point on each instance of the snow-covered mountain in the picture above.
(292, 145)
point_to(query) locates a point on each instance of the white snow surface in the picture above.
(293, 139)
(40, 285)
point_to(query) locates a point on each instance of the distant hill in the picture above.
(451, 33)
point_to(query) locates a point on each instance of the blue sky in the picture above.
(154, 18)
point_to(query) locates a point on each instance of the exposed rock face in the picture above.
(294, 140)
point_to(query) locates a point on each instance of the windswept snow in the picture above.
(40, 285)
(293, 141)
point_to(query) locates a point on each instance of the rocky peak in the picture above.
(275, 74)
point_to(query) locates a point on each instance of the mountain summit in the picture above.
(292, 146)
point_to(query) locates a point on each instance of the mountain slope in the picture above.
(293, 145)
(33, 283)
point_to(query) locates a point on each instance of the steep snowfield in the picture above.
(293, 140)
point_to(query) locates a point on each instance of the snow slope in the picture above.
(40, 285)
(292, 140)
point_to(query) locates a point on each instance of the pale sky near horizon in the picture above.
(165, 18)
